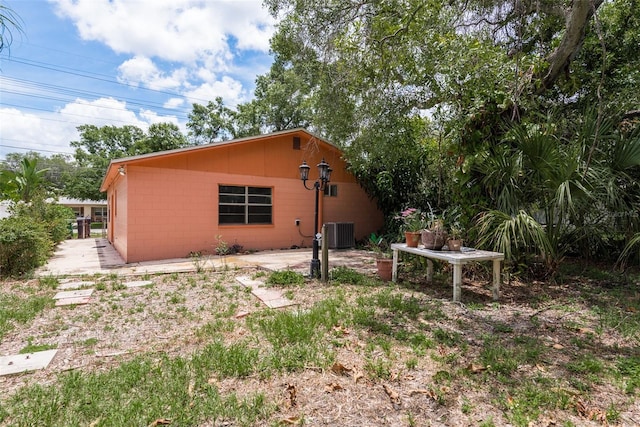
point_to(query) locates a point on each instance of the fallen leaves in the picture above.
(330, 388)
(160, 422)
(426, 392)
(341, 370)
(394, 396)
(474, 368)
(292, 395)
(590, 412)
(341, 330)
(292, 421)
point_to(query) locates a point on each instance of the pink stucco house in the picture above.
(245, 191)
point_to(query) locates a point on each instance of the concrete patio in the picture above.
(81, 257)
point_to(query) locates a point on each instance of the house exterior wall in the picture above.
(171, 201)
(118, 215)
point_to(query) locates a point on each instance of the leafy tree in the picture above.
(211, 122)
(161, 137)
(283, 99)
(94, 151)
(99, 145)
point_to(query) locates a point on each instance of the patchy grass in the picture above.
(18, 308)
(355, 352)
(32, 348)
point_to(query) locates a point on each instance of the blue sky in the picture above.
(123, 62)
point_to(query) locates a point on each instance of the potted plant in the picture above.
(455, 237)
(384, 263)
(413, 222)
(435, 236)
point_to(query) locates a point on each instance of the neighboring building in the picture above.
(246, 192)
(96, 209)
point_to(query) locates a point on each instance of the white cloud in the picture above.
(174, 103)
(229, 89)
(191, 51)
(152, 117)
(173, 30)
(22, 132)
(51, 132)
(138, 69)
(141, 69)
(193, 47)
(102, 112)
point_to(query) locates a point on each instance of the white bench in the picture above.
(455, 258)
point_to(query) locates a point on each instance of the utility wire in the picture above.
(89, 75)
(17, 83)
(71, 114)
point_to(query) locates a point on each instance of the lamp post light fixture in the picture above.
(324, 176)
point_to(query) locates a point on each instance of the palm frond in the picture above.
(629, 249)
(513, 234)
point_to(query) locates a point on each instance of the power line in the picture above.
(71, 114)
(29, 142)
(38, 150)
(89, 75)
(46, 87)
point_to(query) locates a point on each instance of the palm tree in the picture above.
(23, 184)
(8, 20)
(549, 199)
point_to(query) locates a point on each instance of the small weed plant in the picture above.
(285, 278)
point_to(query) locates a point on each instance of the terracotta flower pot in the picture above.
(385, 266)
(454, 244)
(434, 239)
(412, 238)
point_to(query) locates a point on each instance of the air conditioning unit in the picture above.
(340, 235)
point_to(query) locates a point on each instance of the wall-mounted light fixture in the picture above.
(122, 171)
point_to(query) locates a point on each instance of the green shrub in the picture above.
(54, 217)
(24, 245)
(346, 275)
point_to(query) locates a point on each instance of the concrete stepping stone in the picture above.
(249, 282)
(75, 285)
(279, 303)
(266, 294)
(72, 301)
(138, 283)
(18, 363)
(74, 294)
(270, 297)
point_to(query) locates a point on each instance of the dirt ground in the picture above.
(168, 317)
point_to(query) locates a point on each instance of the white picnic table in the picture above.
(455, 258)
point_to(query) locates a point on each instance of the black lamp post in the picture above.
(324, 172)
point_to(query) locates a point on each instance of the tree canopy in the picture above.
(99, 145)
(459, 103)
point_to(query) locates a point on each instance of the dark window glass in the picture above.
(331, 190)
(244, 205)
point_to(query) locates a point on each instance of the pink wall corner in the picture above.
(118, 196)
(353, 205)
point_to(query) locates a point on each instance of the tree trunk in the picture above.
(576, 20)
